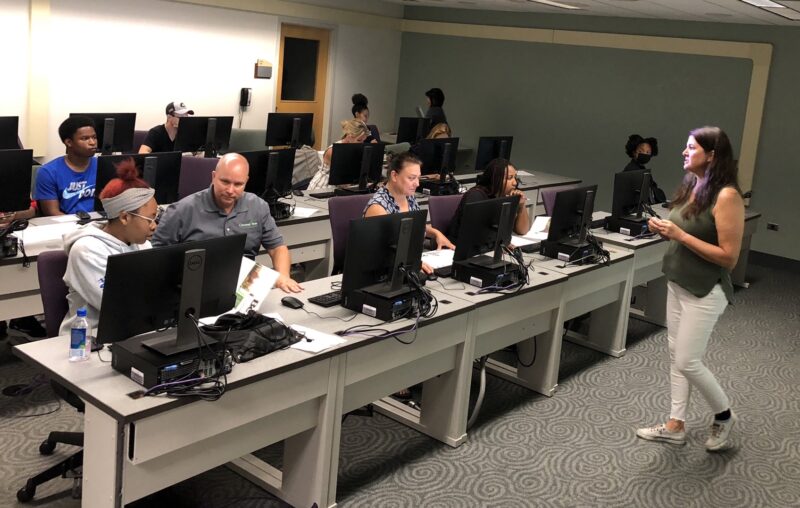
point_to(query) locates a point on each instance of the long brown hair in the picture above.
(720, 173)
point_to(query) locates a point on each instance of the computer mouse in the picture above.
(298, 192)
(291, 302)
(432, 276)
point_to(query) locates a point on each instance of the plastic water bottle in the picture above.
(79, 346)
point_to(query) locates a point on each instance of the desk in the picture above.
(308, 239)
(137, 447)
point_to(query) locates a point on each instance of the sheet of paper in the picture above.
(319, 341)
(518, 241)
(438, 258)
(300, 211)
(539, 229)
(65, 218)
(49, 236)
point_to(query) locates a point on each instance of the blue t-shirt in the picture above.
(74, 191)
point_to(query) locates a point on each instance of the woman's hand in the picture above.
(523, 198)
(442, 242)
(667, 229)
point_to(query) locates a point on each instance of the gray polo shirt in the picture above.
(197, 217)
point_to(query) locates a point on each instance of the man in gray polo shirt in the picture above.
(226, 209)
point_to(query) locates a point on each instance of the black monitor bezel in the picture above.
(567, 205)
(408, 129)
(279, 129)
(9, 133)
(16, 174)
(489, 149)
(192, 130)
(168, 173)
(346, 163)
(260, 169)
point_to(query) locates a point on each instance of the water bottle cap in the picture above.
(82, 312)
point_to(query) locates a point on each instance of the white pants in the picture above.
(690, 321)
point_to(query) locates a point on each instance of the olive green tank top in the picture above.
(687, 269)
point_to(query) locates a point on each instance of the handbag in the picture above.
(251, 335)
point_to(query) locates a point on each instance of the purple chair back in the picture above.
(342, 209)
(549, 197)
(138, 139)
(50, 266)
(195, 175)
(442, 210)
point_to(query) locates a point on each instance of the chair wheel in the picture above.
(26, 493)
(47, 447)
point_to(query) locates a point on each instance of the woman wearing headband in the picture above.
(132, 210)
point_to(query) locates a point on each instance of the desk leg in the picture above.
(103, 456)
(445, 398)
(544, 350)
(608, 329)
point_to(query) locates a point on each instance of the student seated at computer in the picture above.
(361, 112)
(353, 131)
(161, 138)
(397, 196)
(641, 150)
(66, 184)
(499, 179)
(435, 98)
(226, 209)
(132, 211)
(438, 131)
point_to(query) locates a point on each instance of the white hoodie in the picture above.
(88, 248)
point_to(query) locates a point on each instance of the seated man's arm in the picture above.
(50, 207)
(282, 263)
(168, 231)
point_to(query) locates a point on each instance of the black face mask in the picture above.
(643, 158)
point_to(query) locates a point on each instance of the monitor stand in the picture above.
(186, 337)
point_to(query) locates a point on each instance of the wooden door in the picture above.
(302, 73)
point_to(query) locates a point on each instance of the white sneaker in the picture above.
(720, 434)
(661, 433)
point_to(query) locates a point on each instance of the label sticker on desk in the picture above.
(475, 281)
(137, 375)
(369, 310)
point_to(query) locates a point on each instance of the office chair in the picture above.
(138, 139)
(51, 266)
(442, 210)
(549, 196)
(342, 210)
(195, 175)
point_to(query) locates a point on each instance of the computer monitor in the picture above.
(356, 163)
(377, 248)
(114, 131)
(9, 133)
(271, 178)
(289, 129)
(211, 134)
(631, 194)
(572, 215)
(490, 148)
(170, 286)
(161, 170)
(486, 226)
(438, 156)
(412, 129)
(15, 173)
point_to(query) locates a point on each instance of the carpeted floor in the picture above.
(575, 449)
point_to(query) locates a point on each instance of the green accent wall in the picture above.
(571, 108)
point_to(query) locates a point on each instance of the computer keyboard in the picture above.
(327, 299)
(321, 195)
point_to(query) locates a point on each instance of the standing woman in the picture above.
(435, 112)
(704, 230)
(397, 196)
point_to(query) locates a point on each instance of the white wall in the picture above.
(14, 61)
(367, 61)
(140, 56)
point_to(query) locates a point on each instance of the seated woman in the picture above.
(360, 112)
(499, 179)
(641, 150)
(353, 131)
(438, 131)
(397, 196)
(132, 211)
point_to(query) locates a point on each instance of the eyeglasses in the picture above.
(151, 220)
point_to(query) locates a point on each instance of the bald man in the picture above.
(226, 209)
